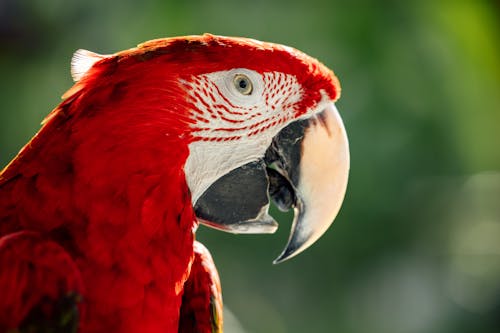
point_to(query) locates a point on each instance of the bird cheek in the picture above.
(238, 202)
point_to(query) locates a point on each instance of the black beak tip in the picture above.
(282, 257)
(287, 253)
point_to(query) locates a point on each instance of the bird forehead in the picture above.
(192, 56)
(219, 52)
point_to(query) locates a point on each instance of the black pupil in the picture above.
(243, 83)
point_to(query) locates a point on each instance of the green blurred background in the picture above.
(416, 247)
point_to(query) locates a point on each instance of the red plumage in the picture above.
(99, 195)
(201, 309)
(34, 270)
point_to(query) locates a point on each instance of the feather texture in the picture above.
(82, 61)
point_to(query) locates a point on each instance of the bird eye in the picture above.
(243, 84)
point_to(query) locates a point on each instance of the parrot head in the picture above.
(258, 122)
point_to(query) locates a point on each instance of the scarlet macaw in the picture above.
(98, 212)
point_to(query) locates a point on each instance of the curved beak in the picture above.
(318, 176)
(305, 168)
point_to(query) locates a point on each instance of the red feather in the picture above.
(34, 269)
(201, 310)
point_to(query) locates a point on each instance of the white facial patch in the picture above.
(231, 128)
(223, 113)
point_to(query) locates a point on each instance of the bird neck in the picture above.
(118, 201)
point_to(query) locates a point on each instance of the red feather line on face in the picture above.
(277, 102)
